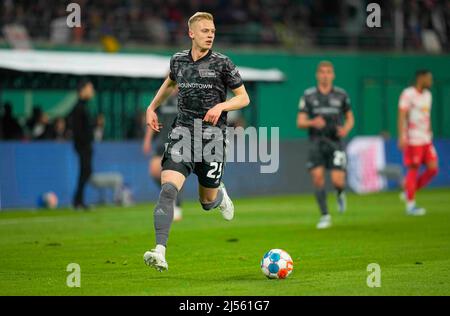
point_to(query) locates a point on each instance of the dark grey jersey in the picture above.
(202, 84)
(332, 107)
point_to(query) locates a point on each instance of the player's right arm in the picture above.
(403, 109)
(303, 120)
(163, 93)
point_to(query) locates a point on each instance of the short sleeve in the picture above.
(232, 77)
(302, 104)
(172, 70)
(404, 102)
(347, 104)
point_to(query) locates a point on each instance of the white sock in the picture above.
(161, 249)
(410, 204)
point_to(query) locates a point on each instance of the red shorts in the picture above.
(418, 155)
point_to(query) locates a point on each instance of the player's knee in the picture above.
(318, 182)
(319, 185)
(339, 185)
(168, 192)
(155, 168)
(413, 167)
(433, 171)
(338, 182)
(155, 172)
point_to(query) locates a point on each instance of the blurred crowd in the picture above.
(286, 22)
(40, 127)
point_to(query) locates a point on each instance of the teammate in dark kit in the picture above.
(202, 77)
(325, 111)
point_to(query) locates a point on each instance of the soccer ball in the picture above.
(277, 264)
(50, 200)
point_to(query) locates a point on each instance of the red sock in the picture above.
(410, 183)
(426, 177)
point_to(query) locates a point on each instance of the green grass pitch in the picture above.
(208, 256)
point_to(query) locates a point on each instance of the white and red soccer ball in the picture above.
(277, 264)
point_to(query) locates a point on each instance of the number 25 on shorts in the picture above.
(216, 170)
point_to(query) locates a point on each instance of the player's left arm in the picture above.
(239, 101)
(232, 79)
(344, 130)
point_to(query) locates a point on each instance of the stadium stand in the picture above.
(291, 24)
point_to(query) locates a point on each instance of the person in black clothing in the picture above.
(11, 128)
(83, 137)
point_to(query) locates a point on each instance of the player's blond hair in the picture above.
(325, 63)
(200, 16)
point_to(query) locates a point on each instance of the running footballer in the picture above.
(202, 77)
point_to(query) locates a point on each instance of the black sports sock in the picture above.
(321, 197)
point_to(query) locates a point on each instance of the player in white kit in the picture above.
(415, 138)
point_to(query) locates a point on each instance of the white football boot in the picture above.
(325, 222)
(226, 207)
(156, 259)
(415, 211)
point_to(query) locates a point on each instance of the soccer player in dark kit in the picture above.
(202, 77)
(325, 111)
